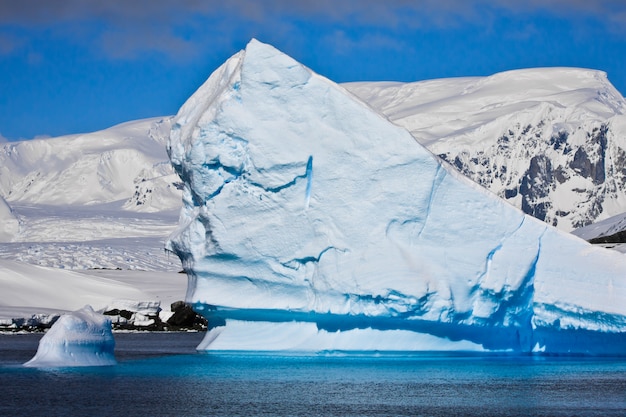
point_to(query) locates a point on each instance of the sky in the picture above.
(74, 66)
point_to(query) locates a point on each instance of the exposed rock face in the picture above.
(535, 187)
(146, 316)
(551, 141)
(185, 318)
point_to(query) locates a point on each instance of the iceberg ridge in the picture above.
(307, 213)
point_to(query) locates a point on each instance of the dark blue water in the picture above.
(159, 374)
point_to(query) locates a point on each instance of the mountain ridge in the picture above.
(551, 141)
(588, 157)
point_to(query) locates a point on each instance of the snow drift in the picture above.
(80, 338)
(311, 222)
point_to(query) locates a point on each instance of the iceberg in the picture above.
(80, 338)
(310, 222)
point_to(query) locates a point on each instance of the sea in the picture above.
(161, 374)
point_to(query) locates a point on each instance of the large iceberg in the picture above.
(80, 338)
(311, 222)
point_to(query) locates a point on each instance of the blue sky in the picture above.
(71, 66)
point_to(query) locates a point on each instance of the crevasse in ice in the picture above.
(311, 222)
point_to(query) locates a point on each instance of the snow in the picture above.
(9, 224)
(94, 236)
(84, 219)
(106, 199)
(606, 227)
(25, 285)
(491, 128)
(30, 289)
(124, 163)
(80, 338)
(36, 295)
(302, 205)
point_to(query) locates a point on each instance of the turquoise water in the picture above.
(159, 374)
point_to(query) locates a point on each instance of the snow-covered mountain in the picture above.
(311, 222)
(610, 231)
(101, 204)
(33, 296)
(106, 199)
(124, 163)
(552, 141)
(109, 199)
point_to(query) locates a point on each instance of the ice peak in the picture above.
(260, 49)
(302, 205)
(264, 63)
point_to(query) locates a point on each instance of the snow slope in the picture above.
(38, 289)
(94, 236)
(106, 199)
(9, 224)
(123, 163)
(610, 233)
(311, 222)
(32, 295)
(552, 141)
(101, 204)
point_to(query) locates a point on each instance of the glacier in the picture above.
(311, 222)
(79, 338)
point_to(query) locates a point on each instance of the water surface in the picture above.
(160, 374)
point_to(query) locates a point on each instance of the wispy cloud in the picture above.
(9, 43)
(122, 29)
(388, 13)
(617, 22)
(127, 44)
(344, 43)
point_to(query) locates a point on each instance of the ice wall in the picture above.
(304, 206)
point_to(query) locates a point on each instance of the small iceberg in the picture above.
(80, 338)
